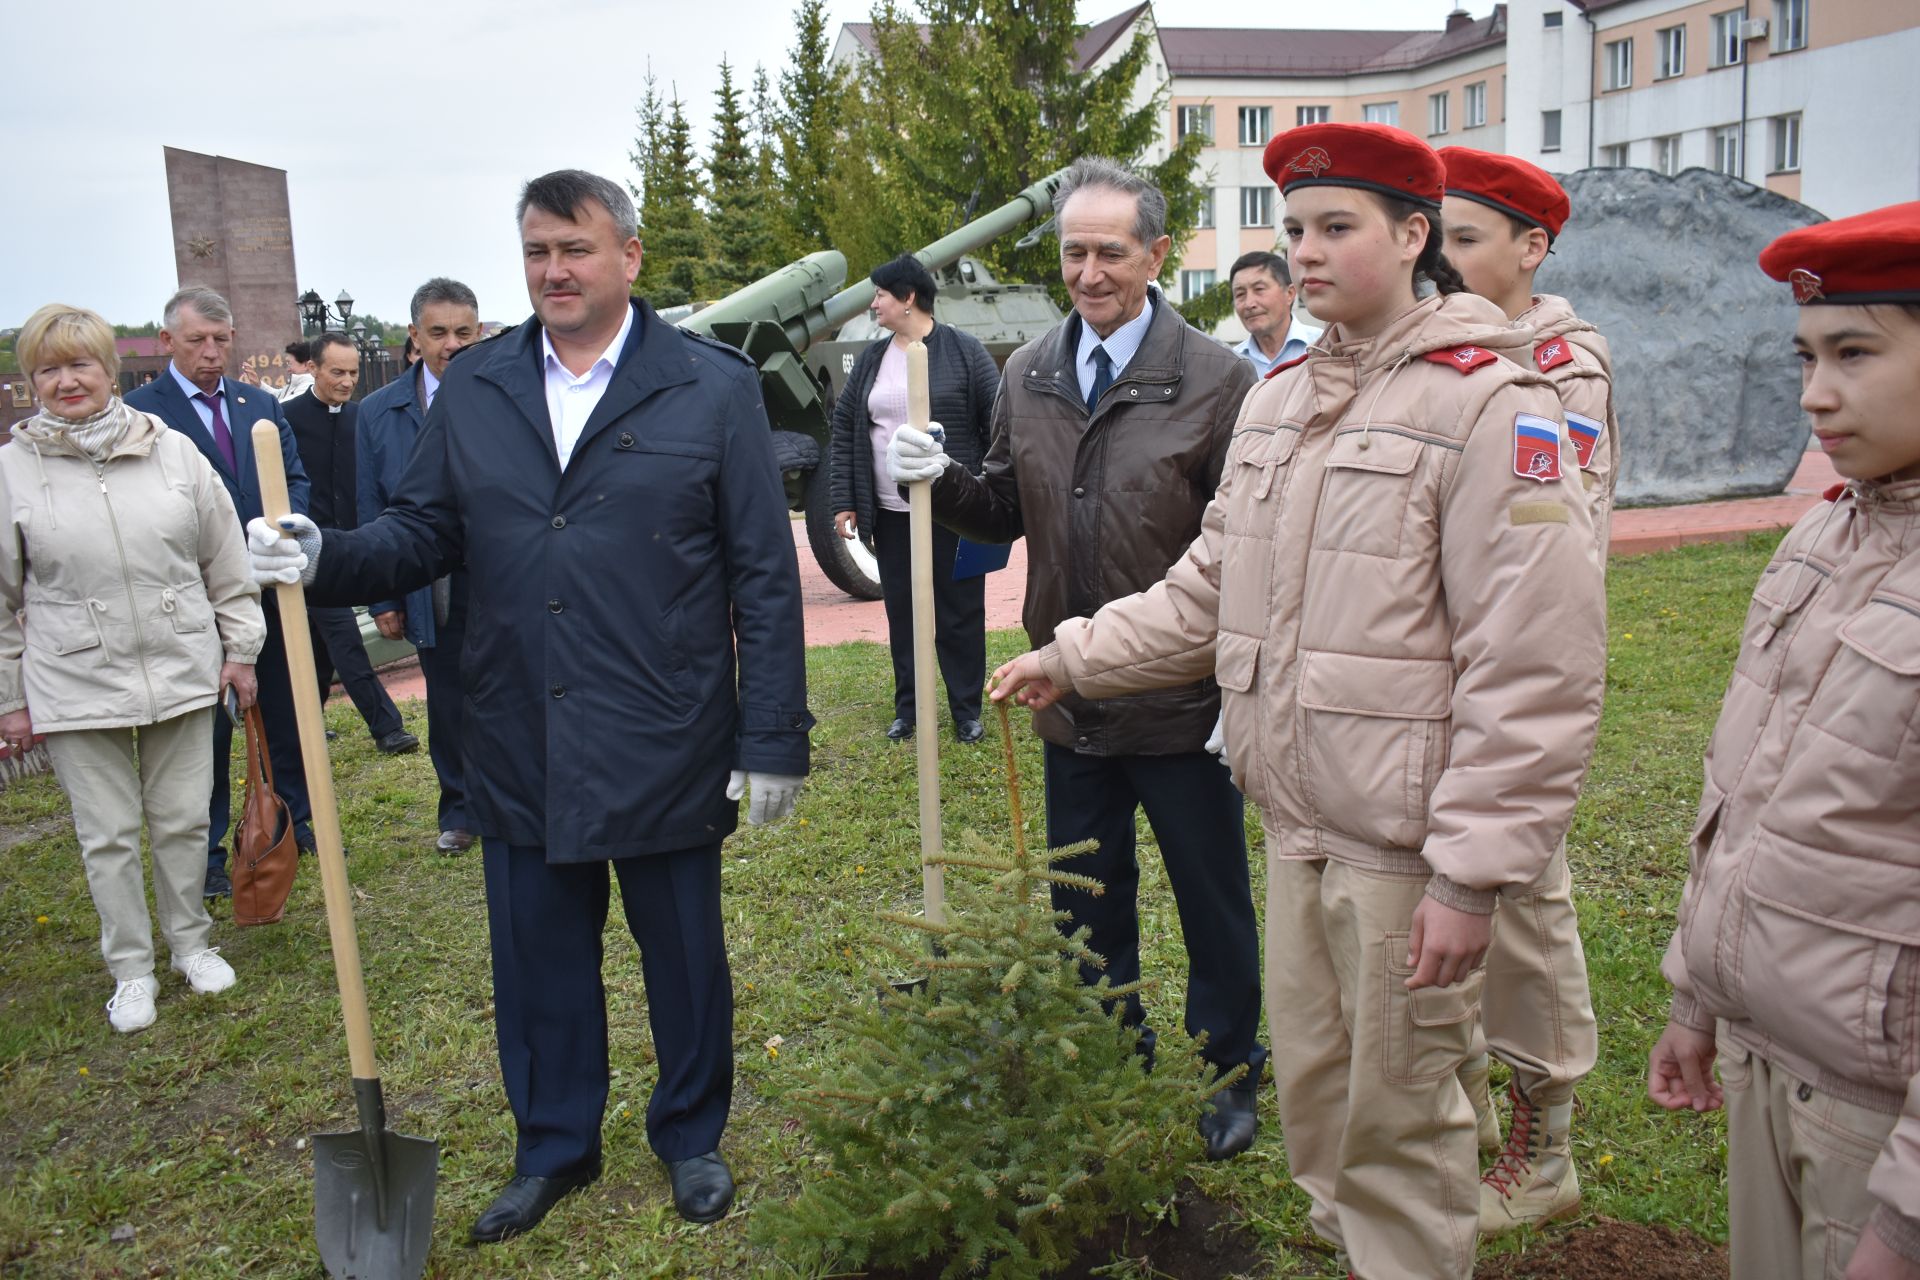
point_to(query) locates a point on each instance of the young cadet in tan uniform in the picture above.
(1502, 216)
(1397, 592)
(1797, 954)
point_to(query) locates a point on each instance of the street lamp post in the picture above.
(316, 316)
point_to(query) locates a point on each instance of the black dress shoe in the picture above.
(218, 885)
(969, 730)
(901, 729)
(1230, 1126)
(397, 743)
(525, 1201)
(702, 1187)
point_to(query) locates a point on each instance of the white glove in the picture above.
(773, 794)
(913, 455)
(288, 552)
(1217, 740)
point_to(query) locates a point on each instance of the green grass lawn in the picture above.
(193, 1133)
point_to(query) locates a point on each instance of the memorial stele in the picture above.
(232, 233)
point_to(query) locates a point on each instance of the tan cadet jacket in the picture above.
(1800, 921)
(1399, 597)
(1574, 355)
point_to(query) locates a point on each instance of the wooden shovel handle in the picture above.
(298, 641)
(926, 733)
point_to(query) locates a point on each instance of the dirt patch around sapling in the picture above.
(1608, 1249)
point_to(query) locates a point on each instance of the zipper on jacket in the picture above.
(126, 580)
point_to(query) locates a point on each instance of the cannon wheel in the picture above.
(849, 565)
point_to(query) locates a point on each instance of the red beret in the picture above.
(1376, 157)
(1514, 187)
(1857, 261)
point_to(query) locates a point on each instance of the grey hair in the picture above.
(565, 190)
(442, 289)
(1150, 205)
(197, 298)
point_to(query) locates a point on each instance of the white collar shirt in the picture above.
(200, 406)
(430, 384)
(1121, 345)
(1300, 339)
(570, 400)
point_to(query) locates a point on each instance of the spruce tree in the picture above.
(998, 1113)
(673, 228)
(768, 179)
(809, 118)
(743, 243)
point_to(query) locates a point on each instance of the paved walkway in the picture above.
(832, 617)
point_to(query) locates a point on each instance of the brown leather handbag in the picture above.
(265, 857)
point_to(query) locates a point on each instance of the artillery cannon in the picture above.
(783, 322)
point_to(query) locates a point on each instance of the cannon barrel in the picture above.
(806, 298)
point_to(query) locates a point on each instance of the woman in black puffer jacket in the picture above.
(962, 382)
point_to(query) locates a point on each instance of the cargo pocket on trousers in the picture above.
(1429, 1031)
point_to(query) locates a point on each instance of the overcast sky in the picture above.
(405, 130)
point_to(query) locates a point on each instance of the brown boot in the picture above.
(1475, 1078)
(1533, 1182)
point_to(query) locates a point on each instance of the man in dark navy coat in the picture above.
(635, 665)
(195, 398)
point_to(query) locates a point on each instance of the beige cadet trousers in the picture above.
(1377, 1128)
(1797, 1164)
(111, 791)
(1537, 1011)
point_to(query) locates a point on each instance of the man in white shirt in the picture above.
(1263, 293)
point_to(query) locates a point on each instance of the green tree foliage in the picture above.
(997, 1114)
(744, 240)
(809, 119)
(673, 227)
(1209, 307)
(955, 117)
(151, 329)
(768, 180)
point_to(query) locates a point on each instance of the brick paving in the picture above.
(832, 617)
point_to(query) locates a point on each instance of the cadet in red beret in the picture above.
(1502, 216)
(1397, 592)
(1805, 863)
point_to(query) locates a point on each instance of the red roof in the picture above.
(137, 347)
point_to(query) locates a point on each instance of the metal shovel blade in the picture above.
(373, 1203)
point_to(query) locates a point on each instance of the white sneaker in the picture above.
(205, 971)
(132, 1005)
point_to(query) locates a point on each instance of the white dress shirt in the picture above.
(1121, 345)
(430, 384)
(570, 400)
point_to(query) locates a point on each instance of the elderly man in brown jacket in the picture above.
(1108, 438)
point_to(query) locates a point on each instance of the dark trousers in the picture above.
(337, 646)
(959, 617)
(440, 664)
(550, 1009)
(1195, 813)
(283, 744)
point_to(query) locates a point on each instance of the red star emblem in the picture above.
(1807, 287)
(1314, 161)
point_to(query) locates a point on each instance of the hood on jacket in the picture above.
(1438, 323)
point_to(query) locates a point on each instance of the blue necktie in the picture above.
(1102, 377)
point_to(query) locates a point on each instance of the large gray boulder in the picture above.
(1705, 380)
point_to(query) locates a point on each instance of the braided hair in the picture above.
(1432, 262)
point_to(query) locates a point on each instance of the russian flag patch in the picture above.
(1536, 447)
(1586, 435)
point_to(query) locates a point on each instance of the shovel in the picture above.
(372, 1189)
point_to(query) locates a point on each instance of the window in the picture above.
(1786, 143)
(1256, 206)
(1620, 64)
(1614, 157)
(1256, 126)
(1196, 120)
(1204, 219)
(1551, 19)
(1666, 154)
(1437, 113)
(1381, 113)
(1549, 130)
(1789, 25)
(1476, 104)
(1195, 283)
(1726, 149)
(1727, 49)
(1311, 115)
(1672, 43)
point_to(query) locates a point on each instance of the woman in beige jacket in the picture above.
(1797, 956)
(1397, 590)
(125, 608)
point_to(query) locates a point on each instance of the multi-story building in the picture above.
(1810, 98)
